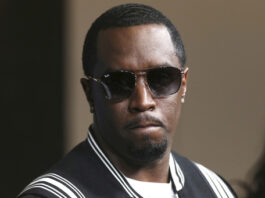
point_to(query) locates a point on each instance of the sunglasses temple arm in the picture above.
(108, 94)
(185, 70)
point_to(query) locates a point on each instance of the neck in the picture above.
(154, 171)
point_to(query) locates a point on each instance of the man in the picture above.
(134, 61)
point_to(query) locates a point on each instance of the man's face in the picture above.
(140, 128)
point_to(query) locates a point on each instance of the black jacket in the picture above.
(86, 172)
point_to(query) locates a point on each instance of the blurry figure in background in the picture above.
(257, 188)
(254, 186)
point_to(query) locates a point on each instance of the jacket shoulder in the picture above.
(198, 176)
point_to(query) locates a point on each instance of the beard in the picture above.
(147, 152)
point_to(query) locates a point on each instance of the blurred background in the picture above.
(44, 112)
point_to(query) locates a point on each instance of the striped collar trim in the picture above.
(56, 185)
(175, 170)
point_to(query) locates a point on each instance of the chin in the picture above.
(147, 152)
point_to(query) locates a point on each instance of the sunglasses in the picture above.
(162, 82)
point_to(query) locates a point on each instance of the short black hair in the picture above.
(127, 15)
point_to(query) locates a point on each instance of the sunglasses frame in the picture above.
(135, 74)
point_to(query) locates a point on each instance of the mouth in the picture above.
(146, 129)
(144, 125)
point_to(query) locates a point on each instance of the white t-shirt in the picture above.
(152, 189)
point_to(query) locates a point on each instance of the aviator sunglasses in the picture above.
(162, 82)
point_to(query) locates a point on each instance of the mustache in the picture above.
(146, 118)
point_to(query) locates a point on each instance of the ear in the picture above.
(184, 84)
(87, 87)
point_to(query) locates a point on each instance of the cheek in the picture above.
(101, 110)
(171, 108)
(118, 112)
(109, 115)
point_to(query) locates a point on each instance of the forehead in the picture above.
(135, 48)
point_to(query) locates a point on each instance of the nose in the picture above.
(141, 99)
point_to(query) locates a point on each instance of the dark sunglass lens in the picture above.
(164, 81)
(120, 84)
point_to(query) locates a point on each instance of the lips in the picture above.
(144, 123)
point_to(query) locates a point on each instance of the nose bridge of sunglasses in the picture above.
(141, 82)
(140, 76)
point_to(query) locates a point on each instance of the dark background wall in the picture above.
(31, 73)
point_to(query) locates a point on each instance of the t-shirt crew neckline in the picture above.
(152, 189)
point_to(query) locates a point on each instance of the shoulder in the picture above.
(32, 196)
(61, 179)
(79, 174)
(51, 185)
(219, 185)
(197, 174)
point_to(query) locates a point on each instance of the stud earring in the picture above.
(182, 100)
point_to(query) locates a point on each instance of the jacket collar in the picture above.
(177, 176)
